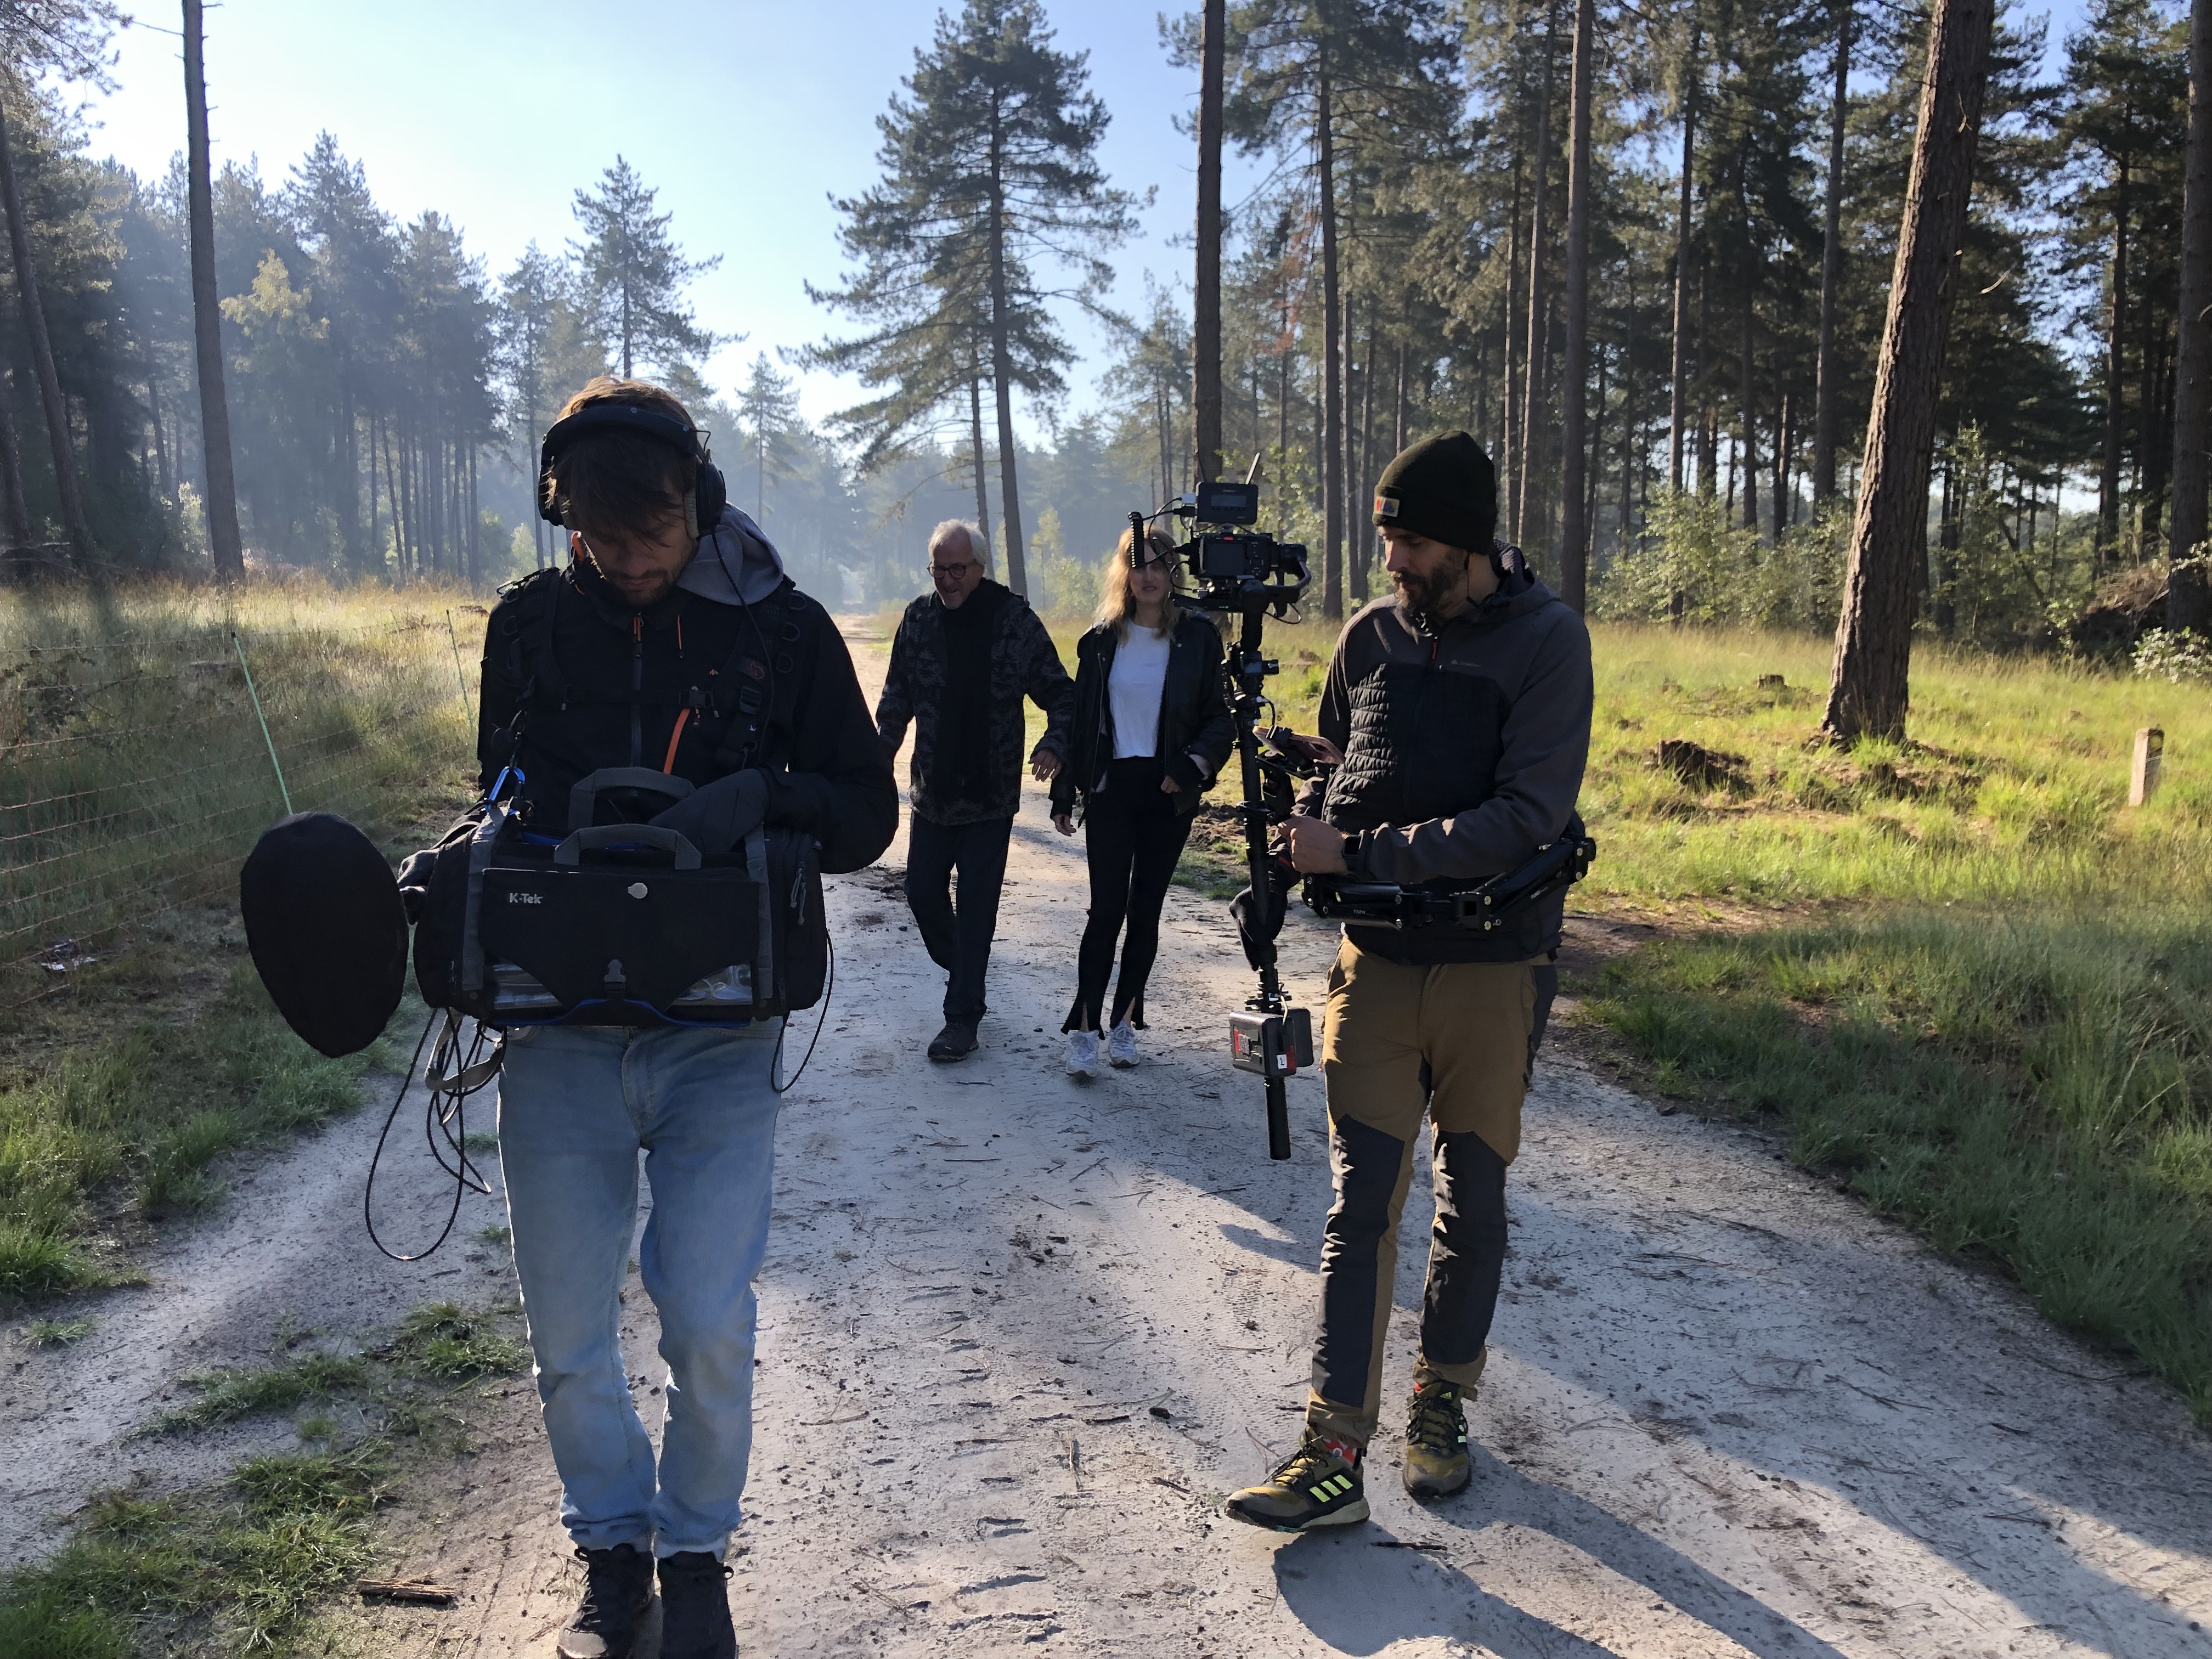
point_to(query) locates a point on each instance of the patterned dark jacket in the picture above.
(1024, 664)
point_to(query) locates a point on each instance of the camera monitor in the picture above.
(1222, 500)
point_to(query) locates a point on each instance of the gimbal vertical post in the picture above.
(1245, 670)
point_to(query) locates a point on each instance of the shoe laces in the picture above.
(1311, 1457)
(1438, 1419)
(605, 1573)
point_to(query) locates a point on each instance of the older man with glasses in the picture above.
(963, 659)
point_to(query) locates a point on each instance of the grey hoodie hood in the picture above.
(737, 564)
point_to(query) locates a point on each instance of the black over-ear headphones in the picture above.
(702, 507)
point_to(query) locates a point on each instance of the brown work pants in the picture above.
(1454, 1042)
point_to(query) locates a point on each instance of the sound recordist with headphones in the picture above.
(674, 643)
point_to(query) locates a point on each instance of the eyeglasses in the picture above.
(951, 572)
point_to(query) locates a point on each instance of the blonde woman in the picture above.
(1151, 730)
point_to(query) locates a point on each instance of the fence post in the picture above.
(460, 673)
(2142, 779)
(239, 646)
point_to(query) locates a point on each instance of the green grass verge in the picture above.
(150, 1109)
(2032, 1087)
(245, 1566)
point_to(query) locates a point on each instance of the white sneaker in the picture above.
(1083, 1054)
(1121, 1044)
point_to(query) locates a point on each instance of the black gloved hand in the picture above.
(715, 816)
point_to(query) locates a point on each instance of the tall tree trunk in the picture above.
(1678, 409)
(1358, 440)
(1509, 462)
(1398, 426)
(1745, 369)
(223, 541)
(1205, 298)
(1002, 368)
(1628, 446)
(976, 451)
(1831, 270)
(2189, 592)
(1868, 694)
(2154, 444)
(1574, 529)
(1332, 394)
(14, 508)
(1539, 316)
(349, 471)
(2108, 468)
(474, 526)
(1708, 438)
(73, 522)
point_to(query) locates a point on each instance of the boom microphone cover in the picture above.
(328, 936)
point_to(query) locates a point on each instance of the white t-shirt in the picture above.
(1133, 691)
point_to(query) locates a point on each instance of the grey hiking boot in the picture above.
(617, 1590)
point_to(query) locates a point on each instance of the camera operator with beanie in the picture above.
(964, 657)
(1461, 708)
(672, 642)
(1151, 732)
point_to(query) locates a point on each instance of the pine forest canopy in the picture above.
(1710, 325)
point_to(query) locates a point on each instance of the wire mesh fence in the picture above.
(136, 772)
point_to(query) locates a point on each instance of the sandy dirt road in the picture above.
(1019, 1332)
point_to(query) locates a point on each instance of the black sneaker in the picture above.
(1436, 1464)
(617, 1588)
(956, 1042)
(1314, 1486)
(694, 1608)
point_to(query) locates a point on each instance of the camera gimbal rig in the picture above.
(1254, 576)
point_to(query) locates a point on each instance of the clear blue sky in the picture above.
(746, 117)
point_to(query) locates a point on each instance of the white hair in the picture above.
(979, 546)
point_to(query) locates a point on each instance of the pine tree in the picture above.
(768, 412)
(635, 274)
(990, 174)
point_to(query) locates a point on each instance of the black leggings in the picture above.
(1134, 836)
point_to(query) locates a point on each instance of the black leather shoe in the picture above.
(617, 1590)
(694, 1608)
(956, 1042)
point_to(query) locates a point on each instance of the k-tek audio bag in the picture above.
(622, 924)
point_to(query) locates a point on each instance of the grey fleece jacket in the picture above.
(1464, 745)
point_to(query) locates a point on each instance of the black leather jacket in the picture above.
(1194, 720)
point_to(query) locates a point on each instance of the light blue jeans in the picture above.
(576, 1105)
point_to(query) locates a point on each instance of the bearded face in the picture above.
(1426, 573)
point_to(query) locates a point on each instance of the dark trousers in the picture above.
(1134, 836)
(958, 941)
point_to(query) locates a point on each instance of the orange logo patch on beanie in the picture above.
(1386, 506)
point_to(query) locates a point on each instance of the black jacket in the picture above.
(1024, 664)
(575, 679)
(1463, 753)
(1194, 720)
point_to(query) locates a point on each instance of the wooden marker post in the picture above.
(2142, 779)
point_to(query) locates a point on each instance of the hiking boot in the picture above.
(1436, 1464)
(1316, 1485)
(617, 1588)
(956, 1042)
(1083, 1054)
(694, 1608)
(1122, 1045)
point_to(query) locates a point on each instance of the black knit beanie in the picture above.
(1443, 487)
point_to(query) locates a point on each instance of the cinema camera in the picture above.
(1252, 575)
